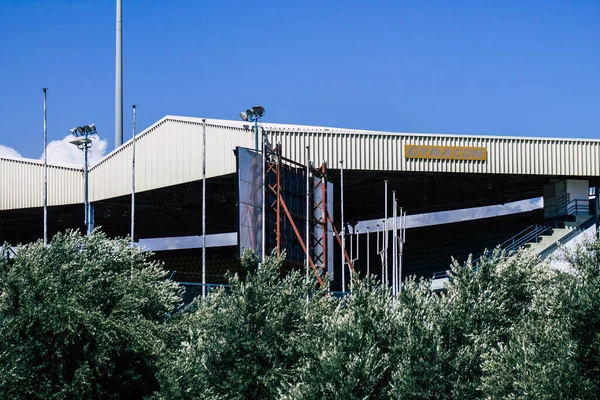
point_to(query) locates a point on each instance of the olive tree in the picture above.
(84, 317)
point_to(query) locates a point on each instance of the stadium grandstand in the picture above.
(429, 173)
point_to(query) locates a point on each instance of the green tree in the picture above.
(420, 347)
(444, 339)
(581, 306)
(349, 350)
(84, 317)
(245, 342)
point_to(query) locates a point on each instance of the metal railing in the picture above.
(565, 206)
(532, 233)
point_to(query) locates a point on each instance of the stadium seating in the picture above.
(186, 266)
(430, 249)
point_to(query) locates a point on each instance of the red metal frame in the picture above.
(274, 165)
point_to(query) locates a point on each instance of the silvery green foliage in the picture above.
(349, 353)
(82, 318)
(509, 328)
(580, 296)
(247, 341)
(420, 348)
(465, 343)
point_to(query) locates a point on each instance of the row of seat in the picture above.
(430, 250)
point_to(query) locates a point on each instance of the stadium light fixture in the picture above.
(84, 143)
(259, 111)
(84, 130)
(253, 115)
(80, 143)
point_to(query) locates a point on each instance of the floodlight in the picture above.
(93, 128)
(81, 142)
(86, 128)
(80, 130)
(73, 131)
(259, 111)
(253, 115)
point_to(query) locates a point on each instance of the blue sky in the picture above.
(528, 68)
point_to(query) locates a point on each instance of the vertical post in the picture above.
(385, 237)
(394, 245)
(351, 254)
(380, 252)
(368, 255)
(342, 228)
(85, 186)
(264, 193)
(352, 258)
(278, 211)
(45, 171)
(402, 241)
(324, 213)
(308, 208)
(596, 211)
(119, 79)
(133, 127)
(255, 133)
(204, 208)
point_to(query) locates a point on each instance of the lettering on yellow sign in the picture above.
(445, 152)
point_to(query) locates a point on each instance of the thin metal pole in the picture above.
(119, 78)
(394, 245)
(85, 184)
(351, 254)
(368, 255)
(380, 251)
(402, 240)
(342, 228)
(385, 238)
(352, 258)
(307, 208)
(133, 174)
(278, 209)
(324, 215)
(45, 170)
(264, 194)
(256, 134)
(204, 208)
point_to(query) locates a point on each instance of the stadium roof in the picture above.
(170, 153)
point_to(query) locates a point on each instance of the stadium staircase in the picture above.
(571, 219)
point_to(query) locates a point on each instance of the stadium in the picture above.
(360, 179)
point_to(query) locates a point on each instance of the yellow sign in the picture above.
(445, 152)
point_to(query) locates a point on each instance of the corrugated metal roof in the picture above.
(22, 184)
(170, 152)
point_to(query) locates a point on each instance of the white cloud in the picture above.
(63, 152)
(8, 152)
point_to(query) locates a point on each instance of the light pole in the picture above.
(84, 143)
(45, 170)
(133, 175)
(253, 115)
